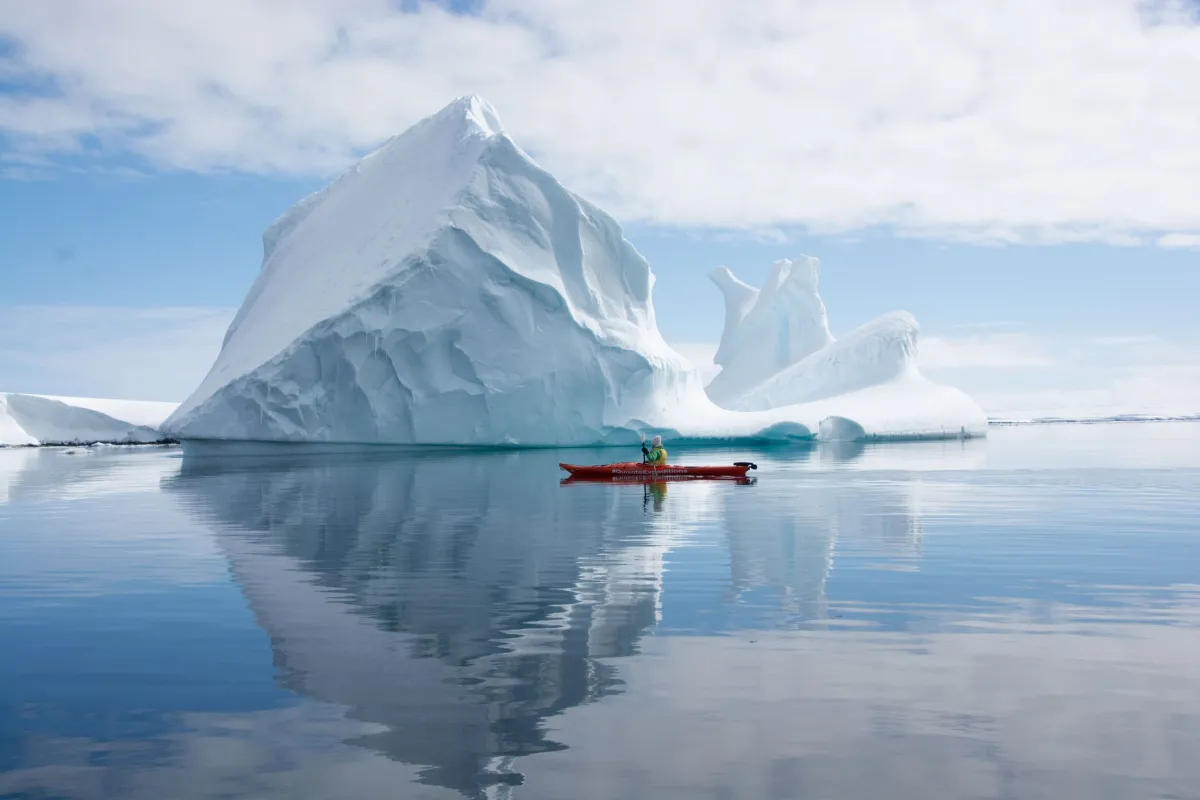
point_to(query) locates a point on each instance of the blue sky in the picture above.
(1036, 207)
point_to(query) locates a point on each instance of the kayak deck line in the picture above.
(633, 470)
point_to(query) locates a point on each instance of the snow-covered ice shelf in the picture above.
(27, 419)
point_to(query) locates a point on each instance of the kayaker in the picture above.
(656, 456)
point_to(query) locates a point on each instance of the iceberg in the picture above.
(868, 381)
(447, 290)
(769, 330)
(881, 351)
(27, 419)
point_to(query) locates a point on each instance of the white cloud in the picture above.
(1025, 376)
(1006, 120)
(128, 353)
(1181, 241)
(987, 324)
(1155, 389)
(1125, 341)
(995, 350)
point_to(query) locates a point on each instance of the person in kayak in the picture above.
(656, 456)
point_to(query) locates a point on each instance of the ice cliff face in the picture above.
(445, 290)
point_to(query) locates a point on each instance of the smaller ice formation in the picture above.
(27, 419)
(767, 330)
(777, 353)
(878, 352)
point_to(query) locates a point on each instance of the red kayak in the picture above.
(634, 470)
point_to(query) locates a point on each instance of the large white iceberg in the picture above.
(447, 290)
(27, 419)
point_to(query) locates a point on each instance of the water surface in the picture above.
(1010, 618)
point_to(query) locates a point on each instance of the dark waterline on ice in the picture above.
(1005, 617)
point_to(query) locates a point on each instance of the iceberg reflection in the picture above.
(456, 600)
(462, 600)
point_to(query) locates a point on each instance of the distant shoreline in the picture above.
(44, 445)
(1093, 420)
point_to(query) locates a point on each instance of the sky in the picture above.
(1021, 175)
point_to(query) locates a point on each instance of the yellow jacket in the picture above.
(657, 457)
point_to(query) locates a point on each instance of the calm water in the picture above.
(1011, 618)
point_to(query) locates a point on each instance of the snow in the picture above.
(769, 330)
(27, 419)
(864, 385)
(144, 413)
(447, 290)
(879, 352)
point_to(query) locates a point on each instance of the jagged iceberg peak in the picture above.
(478, 112)
(446, 289)
(468, 117)
(768, 329)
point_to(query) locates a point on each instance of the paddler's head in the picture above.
(656, 441)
